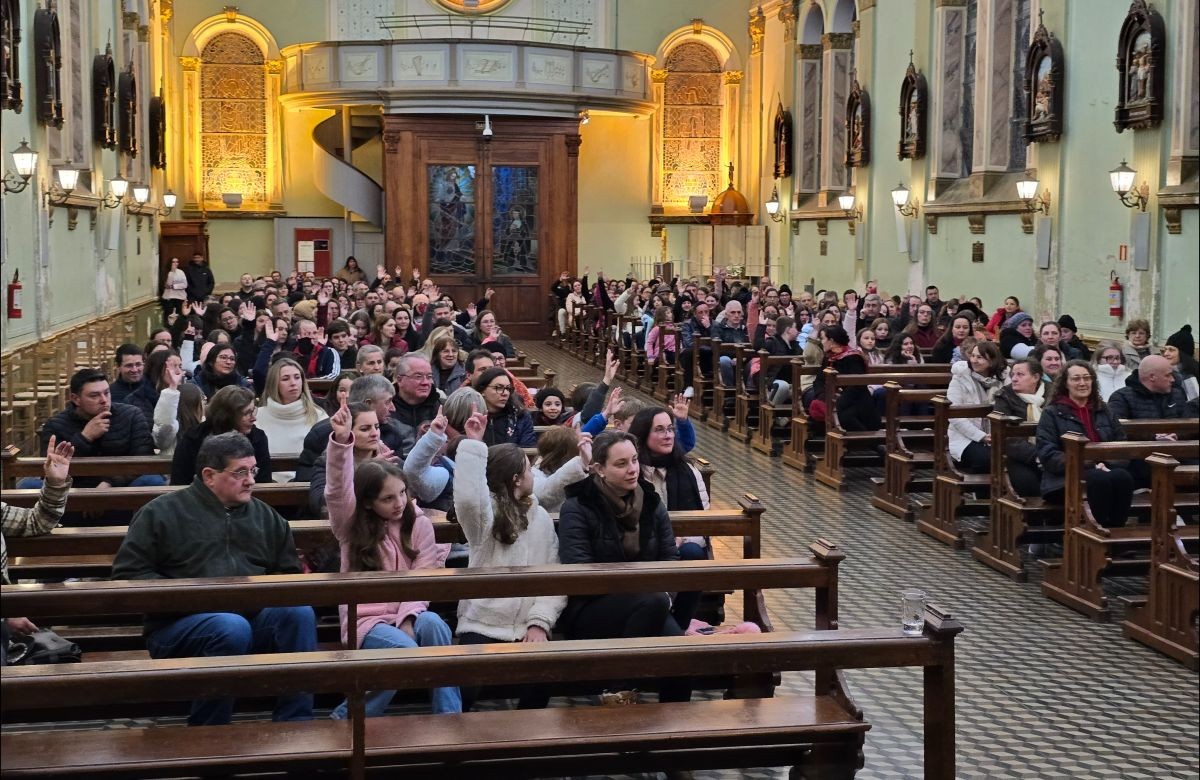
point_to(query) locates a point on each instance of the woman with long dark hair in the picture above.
(615, 516)
(1073, 406)
(219, 369)
(379, 528)
(508, 423)
(231, 408)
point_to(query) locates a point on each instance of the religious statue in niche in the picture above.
(1141, 65)
(783, 143)
(1043, 87)
(914, 98)
(858, 126)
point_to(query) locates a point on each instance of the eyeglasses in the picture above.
(503, 389)
(1113, 359)
(249, 412)
(663, 431)
(242, 473)
(230, 358)
(419, 377)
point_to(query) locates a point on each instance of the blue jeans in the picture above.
(146, 480)
(727, 377)
(207, 634)
(430, 631)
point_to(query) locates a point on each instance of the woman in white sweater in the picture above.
(287, 411)
(505, 526)
(974, 381)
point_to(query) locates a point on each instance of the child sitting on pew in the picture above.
(561, 461)
(505, 526)
(379, 528)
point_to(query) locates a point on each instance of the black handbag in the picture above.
(42, 647)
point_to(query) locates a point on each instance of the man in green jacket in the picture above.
(216, 528)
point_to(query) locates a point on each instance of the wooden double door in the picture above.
(473, 212)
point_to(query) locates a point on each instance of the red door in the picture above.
(313, 250)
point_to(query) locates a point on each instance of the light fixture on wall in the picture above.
(584, 117)
(232, 200)
(67, 177)
(487, 126)
(906, 207)
(1133, 197)
(1027, 190)
(772, 205)
(25, 161)
(169, 201)
(117, 187)
(696, 203)
(853, 214)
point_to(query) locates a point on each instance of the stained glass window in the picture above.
(514, 219)
(233, 120)
(451, 219)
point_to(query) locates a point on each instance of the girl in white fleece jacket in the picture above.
(505, 526)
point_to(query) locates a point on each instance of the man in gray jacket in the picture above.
(216, 528)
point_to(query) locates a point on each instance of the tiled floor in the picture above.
(1042, 692)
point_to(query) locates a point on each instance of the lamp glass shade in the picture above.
(1027, 188)
(25, 160)
(772, 204)
(900, 195)
(118, 187)
(846, 202)
(68, 177)
(487, 125)
(141, 193)
(169, 199)
(1121, 178)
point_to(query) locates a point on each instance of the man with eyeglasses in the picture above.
(216, 528)
(373, 389)
(416, 400)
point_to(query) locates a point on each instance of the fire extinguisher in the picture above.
(14, 296)
(1116, 296)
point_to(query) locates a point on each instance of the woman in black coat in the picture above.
(1075, 407)
(1024, 399)
(230, 409)
(855, 407)
(615, 516)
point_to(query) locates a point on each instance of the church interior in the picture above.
(1013, 157)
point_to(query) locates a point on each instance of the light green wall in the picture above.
(614, 193)
(71, 276)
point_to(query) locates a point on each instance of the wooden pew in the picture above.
(1166, 619)
(701, 385)
(839, 441)
(796, 454)
(938, 518)
(745, 398)
(764, 434)
(744, 732)
(1015, 520)
(1089, 550)
(905, 455)
(722, 396)
(665, 375)
(15, 467)
(276, 494)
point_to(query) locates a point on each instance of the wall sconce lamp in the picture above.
(772, 205)
(117, 187)
(584, 117)
(25, 161)
(1027, 191)
(906, 207)
(854, 214)
(487, 126)
(232, 200)
(68, 177)
(1133, 197)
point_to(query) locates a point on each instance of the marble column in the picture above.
(731, 84)
(945, 130)
(835, 89)
(1185, 113)
(806, 178)
(994, 53)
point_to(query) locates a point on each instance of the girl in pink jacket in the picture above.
(379, 528)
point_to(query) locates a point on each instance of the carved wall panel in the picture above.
(691, 124)
(1141, 65)
(233, 120)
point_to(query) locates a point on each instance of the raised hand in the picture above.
(852, 301)
(200, 307)
(680, 405)
(472, 310)
(384, 452)
(475, 426)
(58, 462)
(320, 340)
(613, 402)
(610, 368)
(490, 292)
(416, 275)
(269, 331)
(439, 423)
(323, 298)
(248, 311)
(340, 423)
